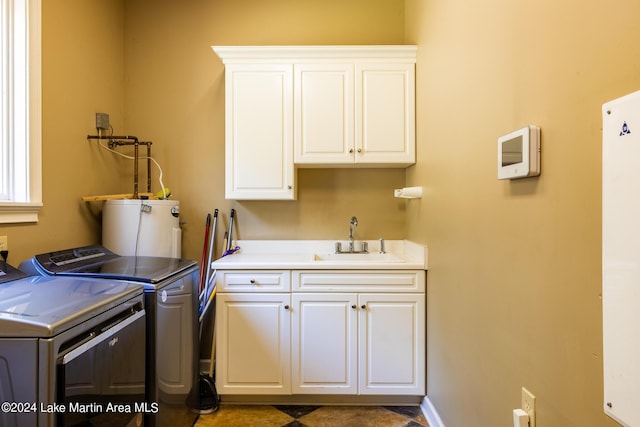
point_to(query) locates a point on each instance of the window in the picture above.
(20, 111)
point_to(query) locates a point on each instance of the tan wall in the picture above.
(150, 66)
(482, 71)
(174, 96)
(81, 75)
(515, 267)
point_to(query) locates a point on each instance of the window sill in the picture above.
(11, 213)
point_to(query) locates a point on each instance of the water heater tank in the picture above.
(142, 227)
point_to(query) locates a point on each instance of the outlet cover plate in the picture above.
(529, 406)
(102, 121)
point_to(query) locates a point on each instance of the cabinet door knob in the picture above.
(252, 281)
(289, 187)
(286, 307)
(350, 150)
(359, 150)
(354, 306)
(363, 306)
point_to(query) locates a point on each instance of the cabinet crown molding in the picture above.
(294, 54)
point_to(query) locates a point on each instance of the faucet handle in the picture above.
(365, 247)
(338, 247)
(381, 245)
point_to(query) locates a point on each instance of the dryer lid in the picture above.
(46, 306)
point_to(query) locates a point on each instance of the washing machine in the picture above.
(72, 351)
(171, 302)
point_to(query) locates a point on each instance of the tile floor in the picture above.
(313, 416)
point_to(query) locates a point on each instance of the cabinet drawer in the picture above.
(253, 281)
(357, 280)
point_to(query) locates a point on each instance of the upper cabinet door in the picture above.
(259, 132)
(323, 113)
(385, 114)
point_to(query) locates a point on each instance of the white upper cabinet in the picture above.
(385, 114)
(354, 114)
(324, 114)
(259, 132)
(314, 106)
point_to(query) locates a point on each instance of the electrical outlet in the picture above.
(4, 243)
(529, 406)
(102, 121)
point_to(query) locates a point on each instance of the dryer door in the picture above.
(101, 374)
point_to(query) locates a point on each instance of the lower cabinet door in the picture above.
(324, 343)
(253, 343)
(392, 344)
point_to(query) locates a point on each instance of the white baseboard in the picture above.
(430, 413)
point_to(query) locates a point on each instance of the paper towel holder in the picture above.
(408, 193)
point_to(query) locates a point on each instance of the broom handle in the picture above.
(212, 244)
(213, 351)
(204, 254)
(230, 236)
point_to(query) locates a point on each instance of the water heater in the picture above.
(135, 227)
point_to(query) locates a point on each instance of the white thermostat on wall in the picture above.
(519, 153)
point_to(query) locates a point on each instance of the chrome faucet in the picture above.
(353, 223)
(352, 226)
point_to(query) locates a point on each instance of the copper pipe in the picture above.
(135, 170)
(149, 167)
(115, 140)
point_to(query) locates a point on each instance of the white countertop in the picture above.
(320, 255)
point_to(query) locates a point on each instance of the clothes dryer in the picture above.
(72, 351)
(171, 301)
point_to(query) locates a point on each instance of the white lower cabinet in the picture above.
(392, 344)
(253, 343)
(325, 341)
(358, 344)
